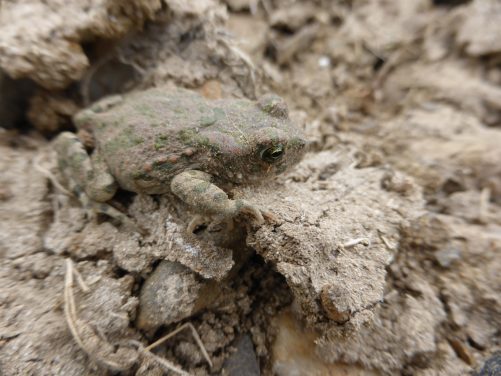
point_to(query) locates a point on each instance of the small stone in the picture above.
(324, 62)
(492, 366)
(168, 295)
(243, 362)
(333, 312)
(172, 293)
(446, 256)
(462, 351)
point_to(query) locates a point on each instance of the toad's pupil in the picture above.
(272, 154)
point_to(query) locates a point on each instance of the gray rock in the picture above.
(492, 366)
(171, 293)
(243, 362)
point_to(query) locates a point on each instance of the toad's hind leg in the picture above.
(88, 177)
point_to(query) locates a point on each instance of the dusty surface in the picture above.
(382, 256)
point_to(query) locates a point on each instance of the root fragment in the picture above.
(164, 363)
(174, 332)
(99, 350)
(485, 196)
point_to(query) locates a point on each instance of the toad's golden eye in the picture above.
(272, 154)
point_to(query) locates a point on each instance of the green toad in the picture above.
(175, 141)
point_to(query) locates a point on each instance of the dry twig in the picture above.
(96, 348)
(174, 332)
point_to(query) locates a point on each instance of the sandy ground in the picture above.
(383, 255)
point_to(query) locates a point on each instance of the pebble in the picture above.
(492, 366)
(243, 362)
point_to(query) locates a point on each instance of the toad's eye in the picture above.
(272, 154)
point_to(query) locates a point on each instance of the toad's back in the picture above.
(147, 138)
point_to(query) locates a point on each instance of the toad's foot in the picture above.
(196, 189)
(252, 210)
(259, 217)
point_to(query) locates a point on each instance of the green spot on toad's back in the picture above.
(145, 110)
(123, 141)
(207, 120)
(219, 113)
(201, 187)
(191, 137)
(134, 139)
(187, 136)
(211, 117)
(161, 141)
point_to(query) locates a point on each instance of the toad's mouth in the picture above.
(262, 172)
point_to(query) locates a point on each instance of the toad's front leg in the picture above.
(195, 188)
